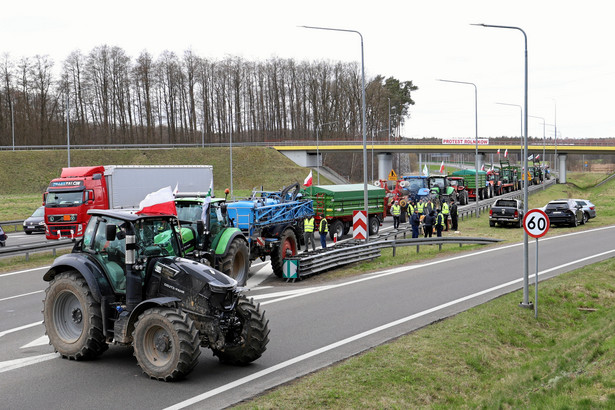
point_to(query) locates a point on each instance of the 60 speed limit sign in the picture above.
(536, 223)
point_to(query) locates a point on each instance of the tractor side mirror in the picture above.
(110, 233)
(200, 227)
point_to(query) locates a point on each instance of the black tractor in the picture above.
(127, 282)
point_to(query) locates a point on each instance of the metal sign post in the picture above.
(536, 224)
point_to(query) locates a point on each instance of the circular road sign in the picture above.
(536, 223)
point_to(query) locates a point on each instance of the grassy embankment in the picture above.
(495, 355)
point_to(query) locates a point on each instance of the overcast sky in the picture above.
(570, 48)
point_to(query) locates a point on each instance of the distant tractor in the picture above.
(126, 282)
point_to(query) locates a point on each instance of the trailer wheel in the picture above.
(247, 341)
(337, 227)
(166, 343)
(374, 225)
(72, 318)
(236, 263)
(288, 241)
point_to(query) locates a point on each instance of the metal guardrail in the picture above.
(35, 247)
(15, 224)
(310, 263)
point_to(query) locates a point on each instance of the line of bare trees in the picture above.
(114, 99)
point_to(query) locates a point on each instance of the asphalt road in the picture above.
(312, 325)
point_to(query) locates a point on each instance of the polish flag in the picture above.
(482, 167)
(308, 180)
(159, 202)
(442, 167)
(506, 153)
(537, 156)
(498, 151)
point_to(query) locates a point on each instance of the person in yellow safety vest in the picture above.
(308, 232)
(396, 211)
(445, 214)
(323, 229)
(439, 223)
(421, 207)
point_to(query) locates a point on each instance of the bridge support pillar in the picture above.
(561, 167)
(481, 160)
(385, 165)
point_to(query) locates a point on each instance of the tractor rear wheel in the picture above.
(72, 318)
(236, 263)
(288, 242)
(247, 342)
(166, 343)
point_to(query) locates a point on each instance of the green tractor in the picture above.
(216, 242)
(126, 282)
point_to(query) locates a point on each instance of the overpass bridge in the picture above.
(310, 155)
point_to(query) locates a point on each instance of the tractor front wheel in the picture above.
(72, 318)
(166, 343)
(236, 262)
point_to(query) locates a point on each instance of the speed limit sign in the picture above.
(536, 223)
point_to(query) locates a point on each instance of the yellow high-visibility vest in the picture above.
(396, 210)
(308, 225)
(445, 208)
(324, 226)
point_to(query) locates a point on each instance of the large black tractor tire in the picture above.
(166, 343)
(72, 318)
(236, 262)
(336, 227)
(288, 241)
(374, 225)
(247, 342)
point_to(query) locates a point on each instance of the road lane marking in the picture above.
(41, 341)
(23, 271)
(17, 329)
(22, 295)
(359, 336)
(19, 363)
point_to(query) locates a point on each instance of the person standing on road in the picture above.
(454, 216)
(323, 230)
(396, 211)
(415, 221)
(445, 213)
(308, 233)
(428, 224)
(439, 223)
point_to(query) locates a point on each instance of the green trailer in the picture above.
(337, 203)
(474, 190)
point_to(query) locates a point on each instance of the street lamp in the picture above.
(521, 111)
(525, 302)
(475, 135)
(543, 142)
(317, 153)
(12, 124)
(68, 127)
(364, 118)
(555, 125)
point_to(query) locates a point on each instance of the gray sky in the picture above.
(571, 62)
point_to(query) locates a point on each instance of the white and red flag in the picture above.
(482, 167)
(498, 151)
(442, 167)
(506, 153)
(159, 202)
(308, 180)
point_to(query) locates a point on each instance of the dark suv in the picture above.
(2, 237)
(565, 211)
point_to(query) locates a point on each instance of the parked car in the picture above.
(506, 212)
(565, 211)
(589, 209)
(2, 237)
(36, 222)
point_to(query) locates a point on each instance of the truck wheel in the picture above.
(236, 263)
(72, 318)
(247, 340)
(336, 227)
(288, 241)
(166, 343)
(491, 224)
(374, 225)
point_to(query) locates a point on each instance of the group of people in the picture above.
(426, 213)
(308, 232)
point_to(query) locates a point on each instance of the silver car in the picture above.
(589, 209)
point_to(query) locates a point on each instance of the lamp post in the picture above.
(12, 124)
(521, 111)
(525, 302)
(317, 152)
(555, 125)
(389, 120)
(543, 142)
(68, 128)
(475, 135)
(365, 200)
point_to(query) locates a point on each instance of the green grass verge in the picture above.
(493, 356)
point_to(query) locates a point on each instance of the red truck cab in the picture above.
(68, 199)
